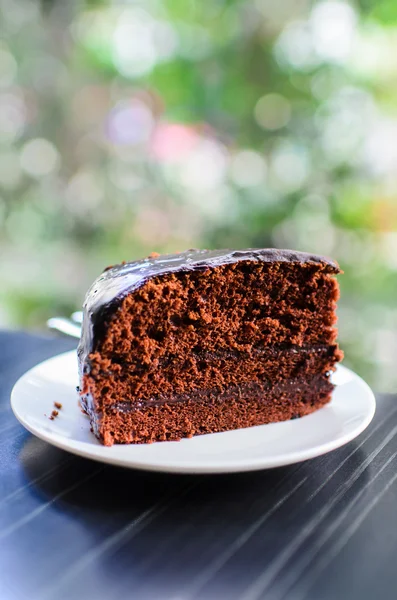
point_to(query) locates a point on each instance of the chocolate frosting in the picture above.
(116, 282)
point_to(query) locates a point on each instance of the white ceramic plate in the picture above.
(348, 414)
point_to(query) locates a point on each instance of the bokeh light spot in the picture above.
(84, 192)
(294, 47)
(290, 166)
(248, 169)
(39, 157)
(12, 117)
(8, 68)
(134, 51)
(10, 172)
(272, 111)
(130, 123)
(333, 27)
(172, 141)
(205, 167)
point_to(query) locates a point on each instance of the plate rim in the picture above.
(97, 452)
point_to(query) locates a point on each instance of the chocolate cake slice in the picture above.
(205, 341)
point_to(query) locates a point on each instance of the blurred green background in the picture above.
(132, 127)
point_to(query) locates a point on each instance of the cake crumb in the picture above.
(54, 414)
(154, 255)
(58, 405)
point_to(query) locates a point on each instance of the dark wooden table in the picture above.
(72, 529)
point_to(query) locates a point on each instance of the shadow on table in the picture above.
(177, 527)
(53, 472)
(77, 482)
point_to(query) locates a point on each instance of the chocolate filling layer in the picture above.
(209, 411)
(210, 370)
(248, 390)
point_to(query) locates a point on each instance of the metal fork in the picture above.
(70, 327)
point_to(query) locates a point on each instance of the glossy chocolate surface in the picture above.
(116, 282)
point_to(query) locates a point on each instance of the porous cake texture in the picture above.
(204, 341)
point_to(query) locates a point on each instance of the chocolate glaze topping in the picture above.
(118, 281)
